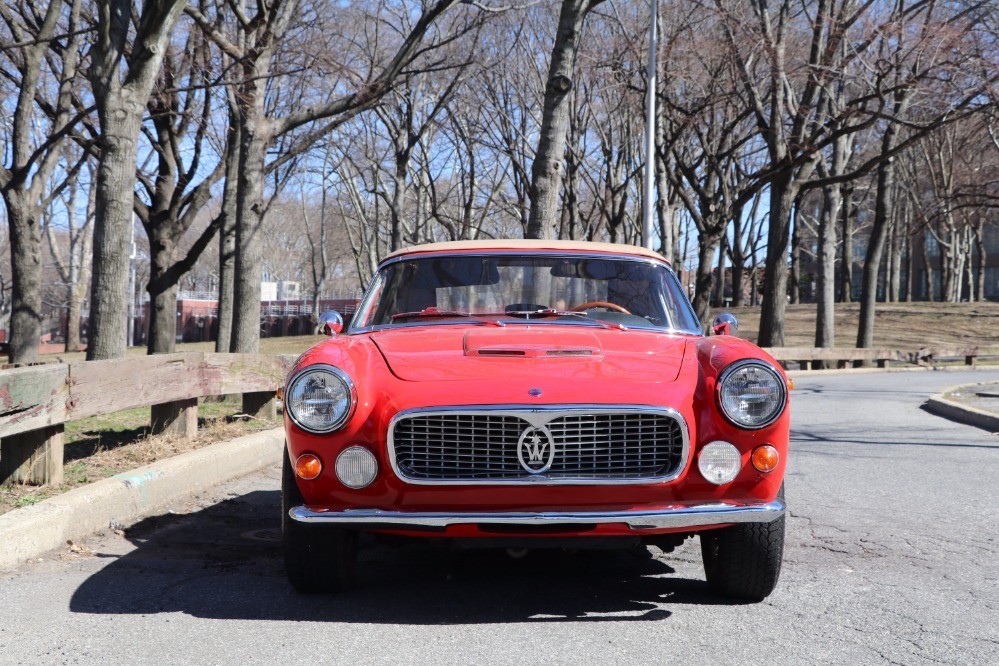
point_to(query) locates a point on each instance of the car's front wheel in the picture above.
(317, 559)
(743, 561)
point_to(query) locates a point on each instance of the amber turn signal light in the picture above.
(765, 458)
(308, 466)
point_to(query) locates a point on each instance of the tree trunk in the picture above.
(928, 275)
(825, 310)
(910, 282)
(891, 285)
(796, 254)
(121, 103)
(876, 243)
(846, 261)
(227, 236)
(73, 319)
(719, 287)
(162, 337)
(546, 172)
(703, 277)
(398, 210)
(782, 196)
(248, 265)
(894, 267)
(26, 271)
(163, 321)
(980, 244)
(738, 258)
(664, 211)
(108, 327)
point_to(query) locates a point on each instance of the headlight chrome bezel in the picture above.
(738, 365)
(342, 376)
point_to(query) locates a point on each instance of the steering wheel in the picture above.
(599, 304)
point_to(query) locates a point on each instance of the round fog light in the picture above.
(356, 467)
(719, 462)
(765, 458)
(308, 466)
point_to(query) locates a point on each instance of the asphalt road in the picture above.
(891, 557)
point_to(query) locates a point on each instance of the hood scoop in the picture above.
(531, 344)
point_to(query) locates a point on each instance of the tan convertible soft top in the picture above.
(522, 244)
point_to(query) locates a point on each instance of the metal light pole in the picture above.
(648, 227)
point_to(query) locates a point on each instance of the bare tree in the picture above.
(125, 60)
(174, 193)
(73, 261)
(42, 48)
(260, 37)
(546, 172)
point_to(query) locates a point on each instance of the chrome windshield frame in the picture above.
(368, 292)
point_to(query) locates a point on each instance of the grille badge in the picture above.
(536, 449)
(536, 392)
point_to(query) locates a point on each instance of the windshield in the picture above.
(500, 289)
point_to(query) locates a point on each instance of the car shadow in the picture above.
(224, 562)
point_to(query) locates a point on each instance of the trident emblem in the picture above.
(536, 449)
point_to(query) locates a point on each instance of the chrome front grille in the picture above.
(588, 445)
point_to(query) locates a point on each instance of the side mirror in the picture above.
(724, 324)
(330, 323)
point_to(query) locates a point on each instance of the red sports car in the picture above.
(534, 394)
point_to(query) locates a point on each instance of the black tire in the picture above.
(317, 559)
(743, 561)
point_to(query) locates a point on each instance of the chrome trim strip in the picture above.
(720, 513)
(542, 414)
(333, 370)
(732, 367)
(523, 252)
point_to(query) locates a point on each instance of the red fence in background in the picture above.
(197, 320)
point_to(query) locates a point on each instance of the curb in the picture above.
(124, 499)
(973, 416)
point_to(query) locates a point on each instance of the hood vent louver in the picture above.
(497, 352)
(530, 352)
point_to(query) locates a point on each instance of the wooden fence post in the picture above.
(179, 417)
(261, 405)
(34, 457)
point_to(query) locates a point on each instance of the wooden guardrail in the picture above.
(809, 358)
(36, 401)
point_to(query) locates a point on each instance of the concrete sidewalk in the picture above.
(126, 498)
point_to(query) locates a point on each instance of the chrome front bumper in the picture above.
(701, 515)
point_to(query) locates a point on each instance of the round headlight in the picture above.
(719, 462)
(751, 394)
(356, 467)
(320, 398)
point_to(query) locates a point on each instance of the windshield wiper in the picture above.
(552, 312)
(431, 312)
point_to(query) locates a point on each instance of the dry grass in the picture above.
(102, 446)
(905, 326)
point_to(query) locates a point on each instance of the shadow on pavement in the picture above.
(224, 562)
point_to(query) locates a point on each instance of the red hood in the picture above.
(459, 353)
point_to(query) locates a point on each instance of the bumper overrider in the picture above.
(701, 515)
